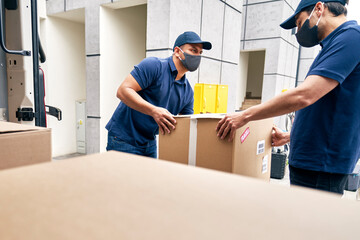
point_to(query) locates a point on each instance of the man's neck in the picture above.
(179, 67)
(333, 23)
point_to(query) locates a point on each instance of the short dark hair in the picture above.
(335, 8)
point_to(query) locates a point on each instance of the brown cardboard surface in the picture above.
(6, 127)
(177, 140)
(246, 161)
(211, 152)
(23, 145)
(122, 196)
(237, 156)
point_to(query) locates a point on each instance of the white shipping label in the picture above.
(265, 164)
(260, 147)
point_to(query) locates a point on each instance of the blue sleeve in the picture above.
(189, 107)
(341, 58)
(147, 71)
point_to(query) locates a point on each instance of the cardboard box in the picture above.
(23, 145)
(195, 142)
(122, 196)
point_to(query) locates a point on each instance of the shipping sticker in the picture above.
(244, 135)
(265, 164)
(260, 147)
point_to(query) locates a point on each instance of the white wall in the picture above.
(353, 10)
(122, 45)
(243, 70)
(64, 45)
(41, 8)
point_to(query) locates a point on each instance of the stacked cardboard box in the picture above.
(122, 196)
(23, 145)
(194, 142)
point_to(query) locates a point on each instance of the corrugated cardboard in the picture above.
(195, 142)
(122, 196)
(23, 145)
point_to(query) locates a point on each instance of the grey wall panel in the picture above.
(93, 86)
(158, 24)
(92, 135)
(232, 35)
(263, 20)
(212, 26)
(55, 6)
(185, 15)
(236, 4)
(92, 28)
(209, 71)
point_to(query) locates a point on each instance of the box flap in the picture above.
(8, 127)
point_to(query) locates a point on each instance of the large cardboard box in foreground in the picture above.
(194, 142)
(123, 196)
(23, 145)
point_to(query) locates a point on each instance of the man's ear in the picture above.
(319, 8)
(177, 51)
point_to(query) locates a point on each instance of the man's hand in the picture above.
(229, 124)
(279, 138)
(164, 119)
(128, 94)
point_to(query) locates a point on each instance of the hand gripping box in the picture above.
(195, 142)
(23, 145)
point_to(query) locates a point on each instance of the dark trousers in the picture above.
(330, 182)
(114, 143)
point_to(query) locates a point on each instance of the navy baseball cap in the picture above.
(191, 37)
(291, 21)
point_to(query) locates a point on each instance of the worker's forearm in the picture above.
(133, 100)
(292, 100)
(282, 104)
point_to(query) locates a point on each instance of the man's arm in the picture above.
(127, 93)
(313, 88)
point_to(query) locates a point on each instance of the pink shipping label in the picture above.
(244, 135)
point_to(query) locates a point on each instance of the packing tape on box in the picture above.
(192, 142)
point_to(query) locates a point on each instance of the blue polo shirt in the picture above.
(156, 78)
(326, 135)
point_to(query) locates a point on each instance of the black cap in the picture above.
(291, 21)
(191, 37)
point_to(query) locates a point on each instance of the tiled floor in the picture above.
(68, 156)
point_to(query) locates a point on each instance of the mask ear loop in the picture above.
(182, 52)
(312, 14)
(318, 20)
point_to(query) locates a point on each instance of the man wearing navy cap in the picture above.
(154, 91)
(325, 137)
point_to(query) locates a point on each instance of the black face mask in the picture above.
(306, 36)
